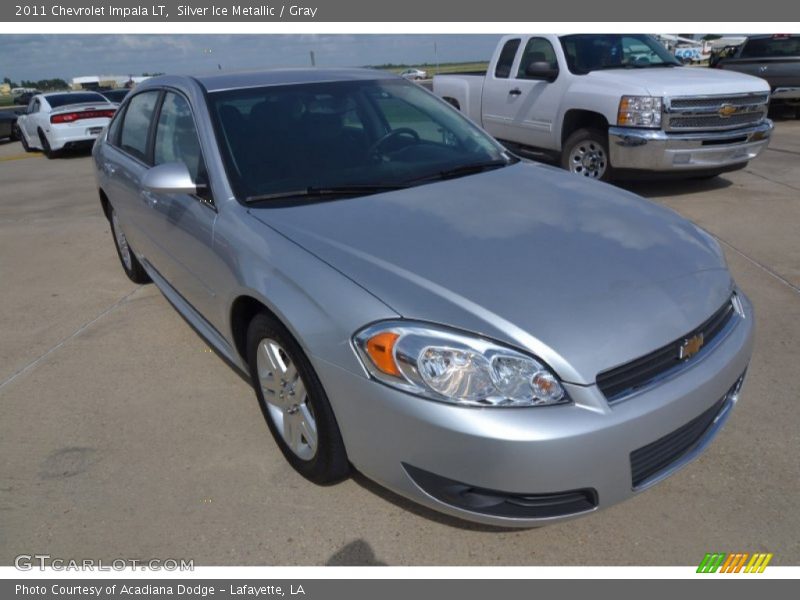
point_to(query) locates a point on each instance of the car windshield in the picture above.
(350, 136)
(593, 52)
(57, 100)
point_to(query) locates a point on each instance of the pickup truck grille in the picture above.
(710, 113)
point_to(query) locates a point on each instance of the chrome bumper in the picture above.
(655, 150)
(786, 93)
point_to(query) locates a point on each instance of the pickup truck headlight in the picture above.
(640, 111)
(448, 366)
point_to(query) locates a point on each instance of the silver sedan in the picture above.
(492, 338)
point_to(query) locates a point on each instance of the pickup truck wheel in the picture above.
(586, 153)
(48, 151)
(294, 402)
(130, 264)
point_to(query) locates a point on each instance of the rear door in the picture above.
(528, 109)
(498, 93)
(123, 163)
(34, 110)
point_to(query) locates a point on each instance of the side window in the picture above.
(113, 127)
(506, 59)
(536, 50)
(176, 138)
(136, 124)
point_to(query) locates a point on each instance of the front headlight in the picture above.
(640, 111)
(448, 366)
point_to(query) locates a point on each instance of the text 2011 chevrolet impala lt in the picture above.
(498, 340)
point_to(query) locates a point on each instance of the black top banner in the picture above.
(407, 11)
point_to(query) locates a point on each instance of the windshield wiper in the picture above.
(319, 192)
(467, 169)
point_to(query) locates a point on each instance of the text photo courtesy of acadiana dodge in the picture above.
(251, 591)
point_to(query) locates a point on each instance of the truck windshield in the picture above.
(346, 137)
(593, 52)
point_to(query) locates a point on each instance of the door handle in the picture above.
(149, 197)
(514, 92)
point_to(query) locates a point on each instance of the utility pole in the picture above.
(313, 60)
(436, 57)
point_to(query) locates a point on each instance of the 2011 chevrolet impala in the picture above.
(492, 338)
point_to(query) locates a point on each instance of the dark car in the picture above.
(115, 96)
(8, 124)
(25, 98)
(775, 58)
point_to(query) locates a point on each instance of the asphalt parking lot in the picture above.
(123, 436)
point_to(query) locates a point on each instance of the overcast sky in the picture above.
(36, 57)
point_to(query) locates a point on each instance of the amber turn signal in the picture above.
(380, 349)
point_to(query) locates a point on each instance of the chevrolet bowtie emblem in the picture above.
(727, 110)
(691, 346)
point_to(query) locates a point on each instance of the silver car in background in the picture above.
(492, 338)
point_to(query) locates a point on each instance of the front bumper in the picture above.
(786, 94)
(530, 453)
(656, 150)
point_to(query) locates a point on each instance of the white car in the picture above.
(414, 74)
(63, 120)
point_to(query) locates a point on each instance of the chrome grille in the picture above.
(715, 122)
(717, 101)
(704, 113)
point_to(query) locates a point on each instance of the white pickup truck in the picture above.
(609, 104)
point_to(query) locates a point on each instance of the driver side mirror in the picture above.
(541, 70)
(169, 178)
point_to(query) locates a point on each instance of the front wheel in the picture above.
(23, 140)
(294, 402)
(586, 153)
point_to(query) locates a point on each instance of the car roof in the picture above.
(69, 92)
(228, 81)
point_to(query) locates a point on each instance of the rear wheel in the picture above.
(130, 264)
(48, 151)
(294, 402)
(586, 153)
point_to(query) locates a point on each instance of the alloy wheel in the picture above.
(286, 398)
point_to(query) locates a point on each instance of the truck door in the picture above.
(533, 96)
(497, 92)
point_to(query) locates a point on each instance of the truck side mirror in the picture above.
(541, 70)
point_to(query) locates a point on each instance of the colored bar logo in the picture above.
(736, 562)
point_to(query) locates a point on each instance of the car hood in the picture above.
(681, 81)
(580, 273)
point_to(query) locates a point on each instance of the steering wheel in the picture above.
(400, 131)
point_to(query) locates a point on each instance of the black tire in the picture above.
(48, 151)
(132, 267)
(329, 462)
(595, 144)
(23, 141)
